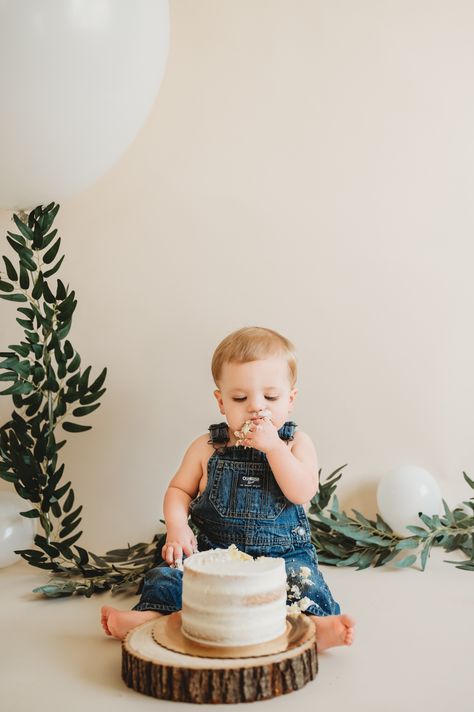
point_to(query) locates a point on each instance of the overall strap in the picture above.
(219, 433)
(287, 430)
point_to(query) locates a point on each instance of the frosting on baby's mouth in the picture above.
(247, 426)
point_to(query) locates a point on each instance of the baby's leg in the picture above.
(333, 630)
(161, 589)
(117, 623)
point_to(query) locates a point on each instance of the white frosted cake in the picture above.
(231, 599)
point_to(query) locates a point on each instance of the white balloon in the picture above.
(78, 78)
(403, 493)
(16, 532)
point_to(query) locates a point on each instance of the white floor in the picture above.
(414, 647)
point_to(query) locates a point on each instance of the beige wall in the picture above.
(307, 166)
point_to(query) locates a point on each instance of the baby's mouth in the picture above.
(247, 426)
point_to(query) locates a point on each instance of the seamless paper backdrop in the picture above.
(307, 166)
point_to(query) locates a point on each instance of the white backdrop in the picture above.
(308, 166)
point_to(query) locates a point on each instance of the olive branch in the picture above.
(50, 389)
(344, 540)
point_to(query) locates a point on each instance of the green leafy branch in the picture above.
(48, 388)
(343, 540)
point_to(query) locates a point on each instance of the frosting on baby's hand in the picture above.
(247, 426)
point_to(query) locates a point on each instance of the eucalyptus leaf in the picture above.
(6, 286)
(14, 297)
(24, 229)
(74, 427)
(407, 561)
(11, 271)
(49, 256)
(85, 410)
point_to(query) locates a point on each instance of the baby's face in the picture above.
(246, 388)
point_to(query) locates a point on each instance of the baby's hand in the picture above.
(179, 541)
(261, 435)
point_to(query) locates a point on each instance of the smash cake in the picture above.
(231, 599)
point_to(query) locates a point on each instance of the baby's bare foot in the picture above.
(117, 623)
(333, 630)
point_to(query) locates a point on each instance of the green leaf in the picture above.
(85, 410)
(351, 560)
(75, 363)
(47, 240)
(448, 514)
(6, 286)
(56, 590)
(47, 294)
(50, 255)
(83, 555)
(28, 263)
(425, 554)
(25, 323)
(24, 278)
(53, 270)
(419, 531)
(11, 271)
(20, 387)
(406, 544)
(92, 397)
(20, 249)
(72, 540)
(407, 561)
(62, 490)
(24, 229)
(97, 385)
(50, 214)
(69, 528)
(84, 380)
(22, 350)
(42, 543)
(360, 518)
(64, 331)
(74, 427)
(31, 514)
(8, 376)
(68, 349)
(70, 517)
(365, 560)
(38, 288)
(468, 480)
(382, 525)
(69, 501)
(14, 297)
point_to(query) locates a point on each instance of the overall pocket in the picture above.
(247, 490)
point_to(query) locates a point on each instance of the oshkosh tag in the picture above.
(253, 481)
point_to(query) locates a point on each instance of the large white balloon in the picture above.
(403, 493)
(16, 532)
(77, 81)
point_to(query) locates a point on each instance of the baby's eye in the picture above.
(271, 398)
(242, 398)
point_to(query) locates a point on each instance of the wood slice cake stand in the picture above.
(159, 661)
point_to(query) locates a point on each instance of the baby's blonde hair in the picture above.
(252, 343)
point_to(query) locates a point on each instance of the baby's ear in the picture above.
(293, 393)
(220, 402)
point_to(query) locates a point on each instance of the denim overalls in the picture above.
(243, 505)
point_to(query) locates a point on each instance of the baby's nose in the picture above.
(255, 406)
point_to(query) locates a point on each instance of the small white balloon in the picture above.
(16, 532)
(77, 81)
(403, 493)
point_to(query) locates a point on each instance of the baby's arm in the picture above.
(296, 469)
(180, 492)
